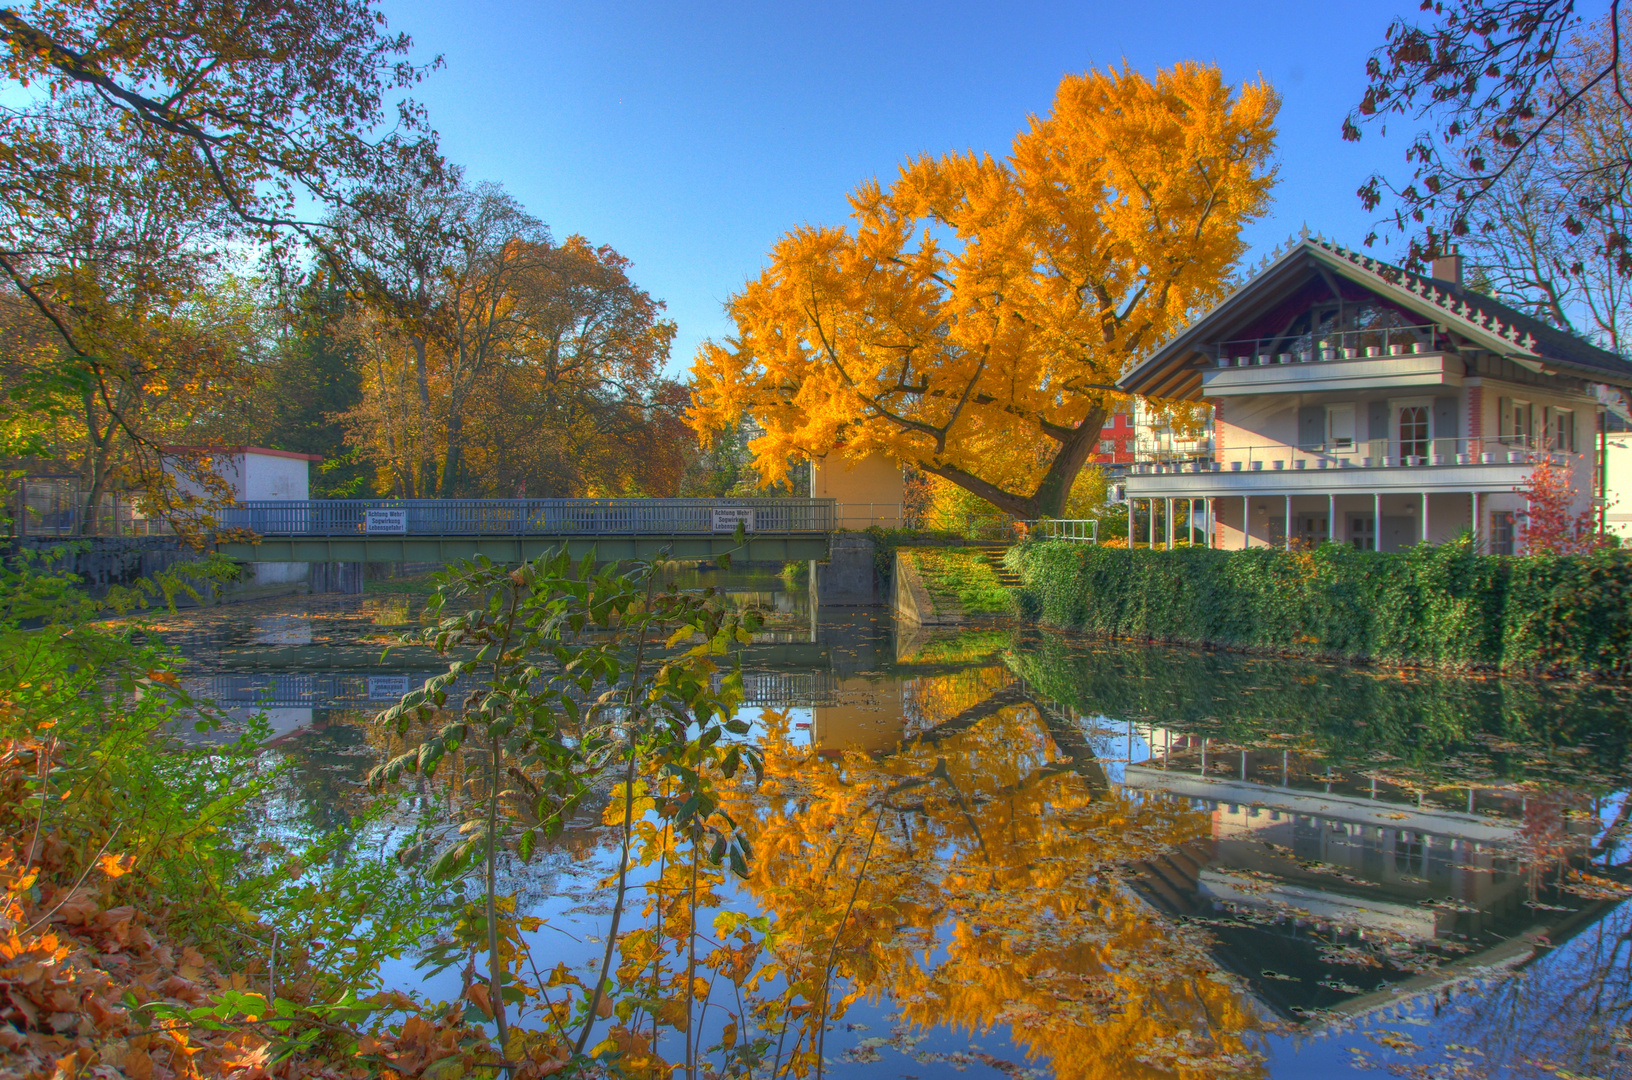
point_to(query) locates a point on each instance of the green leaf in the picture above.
(724, 559)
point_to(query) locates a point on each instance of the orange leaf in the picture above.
(116, 866)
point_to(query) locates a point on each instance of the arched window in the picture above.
(1414, 431)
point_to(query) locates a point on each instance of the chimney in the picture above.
(1448, 267)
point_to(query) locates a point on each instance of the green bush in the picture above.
(1444, 606)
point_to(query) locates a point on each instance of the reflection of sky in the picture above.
(1116, 743)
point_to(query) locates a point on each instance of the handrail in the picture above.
(526, 517)
(1365, 453)
(1085, 530)
(1373, 343)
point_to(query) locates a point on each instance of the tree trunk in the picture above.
(1053, 491)
(427, 461)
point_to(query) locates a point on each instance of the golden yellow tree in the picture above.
(973, 321)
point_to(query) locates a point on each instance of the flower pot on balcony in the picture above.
(1416, 346)
(1215, 467)
(1397, 349)
(1235, 466)
(1299, 463)
(1389, 463)
(1278, 465)
(1351, 354)
(1257, 466)
(1464, 459)
(1487, 458)
(1516, 457)
(1324, 463)
(1284, 358)
(1263, 360)
(1372, 350)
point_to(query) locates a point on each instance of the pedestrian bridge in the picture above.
(516, 530)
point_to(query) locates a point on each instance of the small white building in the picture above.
(255, 473)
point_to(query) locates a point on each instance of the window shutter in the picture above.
(1504, 422)
(1311, 425)
(1377, 420)
(1445, 418)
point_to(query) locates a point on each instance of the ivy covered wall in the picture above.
(1443, 606)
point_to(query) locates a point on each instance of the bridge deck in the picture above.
(513, 530)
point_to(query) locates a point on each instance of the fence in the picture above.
(527, 517)
(1365, 453)
(57, 506)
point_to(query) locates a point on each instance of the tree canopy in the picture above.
(973, 320)
(1501, 86)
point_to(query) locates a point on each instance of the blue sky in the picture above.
(690, 136)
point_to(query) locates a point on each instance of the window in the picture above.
(1516, 422)
(1414, 431)
(1501, 532)
(1340, 427)
(1106, 446)
(1563, 430)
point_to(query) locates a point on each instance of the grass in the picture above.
(964, 575)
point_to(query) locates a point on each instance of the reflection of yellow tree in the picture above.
(932, 700)
(991, 896)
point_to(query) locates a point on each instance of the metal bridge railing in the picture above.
(527, 517)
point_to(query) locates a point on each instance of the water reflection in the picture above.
(1091, 859)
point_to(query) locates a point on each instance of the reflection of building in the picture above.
(1334, 893)
(1161, 439)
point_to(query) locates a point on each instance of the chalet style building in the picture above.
(1357, 402)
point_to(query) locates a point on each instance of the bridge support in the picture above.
(847, 578)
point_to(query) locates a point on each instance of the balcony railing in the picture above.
(526, 517)
(1372, 453)
(1378, 342)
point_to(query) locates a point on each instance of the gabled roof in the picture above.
(1174, 370)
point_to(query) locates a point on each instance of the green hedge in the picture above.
(1443, 606)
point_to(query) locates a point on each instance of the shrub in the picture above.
(1444, 606)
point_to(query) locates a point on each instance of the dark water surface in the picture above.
(1087, 859)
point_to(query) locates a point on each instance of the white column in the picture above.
(1331, 517)
(1287, 538)
(1425, 517)
(1168, 521)
(1246, 524)
(1376, 521)
(1152, 542)
(1473, 526)
(1212, 522)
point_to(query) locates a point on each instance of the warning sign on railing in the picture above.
(727, 517)
(378, 519)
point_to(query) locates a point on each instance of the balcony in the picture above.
(1381, 465)
(1401, 357)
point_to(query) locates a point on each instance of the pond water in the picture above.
(1056, 856)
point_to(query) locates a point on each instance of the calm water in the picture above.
(1085, 859)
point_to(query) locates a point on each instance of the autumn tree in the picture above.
(272, 107)
(973, 320)
(1552, 526)
(140, 328)
(235, 127)
(1497, 87)
(498, 362)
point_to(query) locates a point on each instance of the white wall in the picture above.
(1619, 467)
(266, 476)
